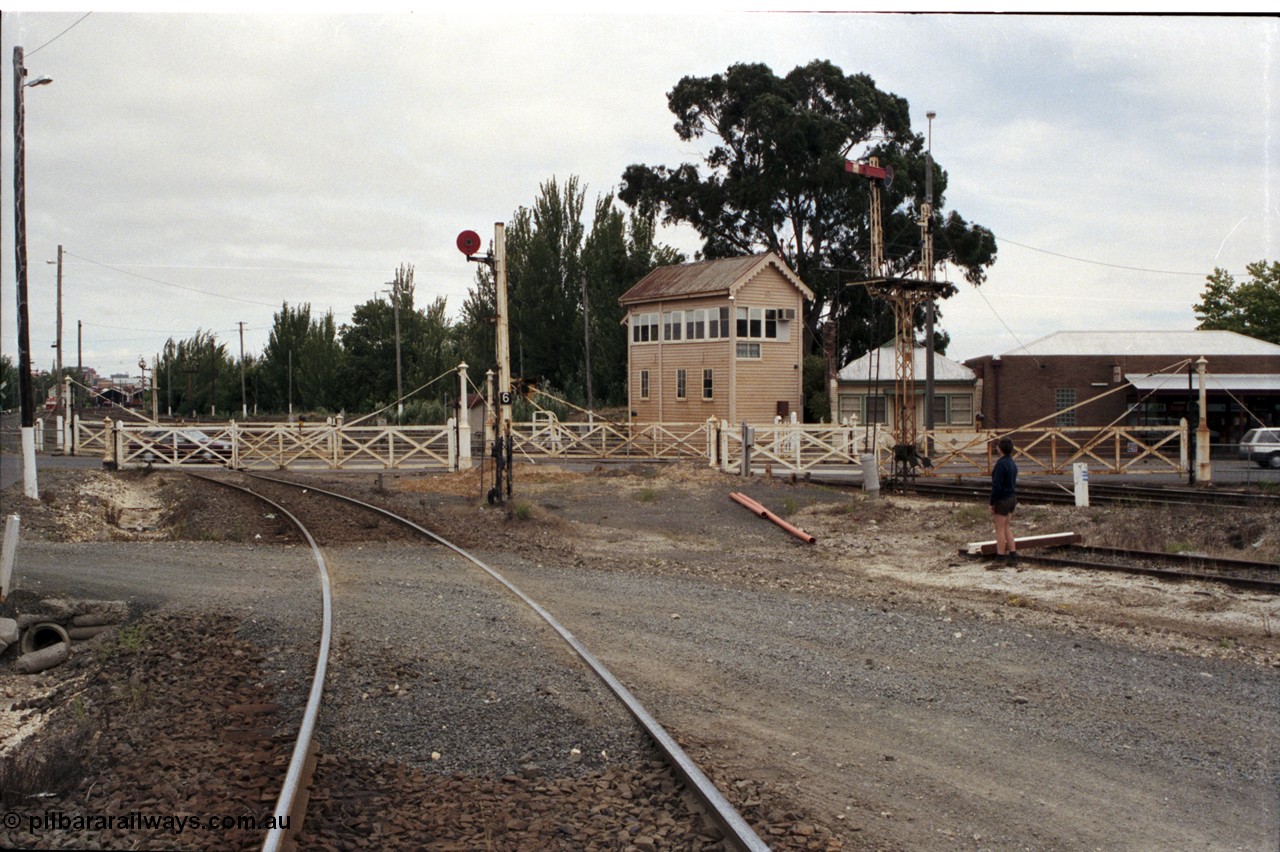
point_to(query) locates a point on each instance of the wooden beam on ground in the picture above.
(988, 548)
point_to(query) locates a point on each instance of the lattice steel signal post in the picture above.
(904, 295)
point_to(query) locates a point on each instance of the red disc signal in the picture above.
(468, 243)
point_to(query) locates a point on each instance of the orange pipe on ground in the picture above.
(760, 510)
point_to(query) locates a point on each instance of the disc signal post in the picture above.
(496, 259)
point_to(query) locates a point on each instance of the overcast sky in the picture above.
(200, 170)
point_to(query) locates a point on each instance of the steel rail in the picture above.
(1082, 560)
(726, 816)
(276, 836)
(1103, 493)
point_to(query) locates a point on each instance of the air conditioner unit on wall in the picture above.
(787, 313)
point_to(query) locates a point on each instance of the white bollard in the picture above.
(6, 556)
(1080, 475)
(870, 475)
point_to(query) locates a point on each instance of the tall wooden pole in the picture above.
(244, 399)
(26, 404)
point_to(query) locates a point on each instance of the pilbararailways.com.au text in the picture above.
(138, 821)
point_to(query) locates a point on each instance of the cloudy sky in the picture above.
(199, 170)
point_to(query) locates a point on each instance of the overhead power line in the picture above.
(1000, 239)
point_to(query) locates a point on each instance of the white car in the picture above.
(1261, 446)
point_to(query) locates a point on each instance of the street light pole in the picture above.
(26, 404)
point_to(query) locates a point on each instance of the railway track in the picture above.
(1239, 573)
(732, 829)
(1101, 493)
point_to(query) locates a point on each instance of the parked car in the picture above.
(1261, 446)
(186, 445)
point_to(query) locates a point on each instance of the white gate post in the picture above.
(464, 420)
(68, 432)
(453, 443)
(40, 435)
(235, 445)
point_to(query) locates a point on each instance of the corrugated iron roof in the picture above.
(944, 369)
(1205, 342)
(705, 278)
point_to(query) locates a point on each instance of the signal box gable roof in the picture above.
(706, 278)
(1198, 342)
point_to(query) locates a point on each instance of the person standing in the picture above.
(1004, 481)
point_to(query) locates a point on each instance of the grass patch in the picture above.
(130, 639)
(972, 515)
(1178, 547)
(646, 495)
(522, 511)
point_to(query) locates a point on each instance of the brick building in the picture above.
(1132, 378)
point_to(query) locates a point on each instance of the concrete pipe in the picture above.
(44, 635)
(44, 658)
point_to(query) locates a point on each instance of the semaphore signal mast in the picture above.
(904, 295)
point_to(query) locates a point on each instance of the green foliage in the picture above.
(563, 286)
(1251, 307)
(302, 363)
(646, 495)
(427, 348)
(817, 395)
(198, 376)
(8, 383)
(773, 179)
(426, 412)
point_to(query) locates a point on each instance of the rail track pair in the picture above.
(293, 794)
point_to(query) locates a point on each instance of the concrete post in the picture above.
(1204, 469)
(870, 475)
(6, 558)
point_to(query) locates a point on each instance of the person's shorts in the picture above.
(1005, 506)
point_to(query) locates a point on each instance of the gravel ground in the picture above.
(874, 691)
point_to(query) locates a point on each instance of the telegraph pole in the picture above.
(59, 343)
(395, 302)
(926, 260)
(586, 334)
(244, 404)
(25, 403)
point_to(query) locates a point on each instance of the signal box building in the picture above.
(1065, 377)
(719, 337)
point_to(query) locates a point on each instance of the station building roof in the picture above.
(878, 365)
(1184, 343)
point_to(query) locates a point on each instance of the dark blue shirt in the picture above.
(1004, 478)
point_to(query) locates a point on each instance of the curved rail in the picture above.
(302, 746)
(726, 816)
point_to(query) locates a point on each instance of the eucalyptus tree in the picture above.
(772, 178)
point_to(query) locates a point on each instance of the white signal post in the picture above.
(504, 342)
(469, 244)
